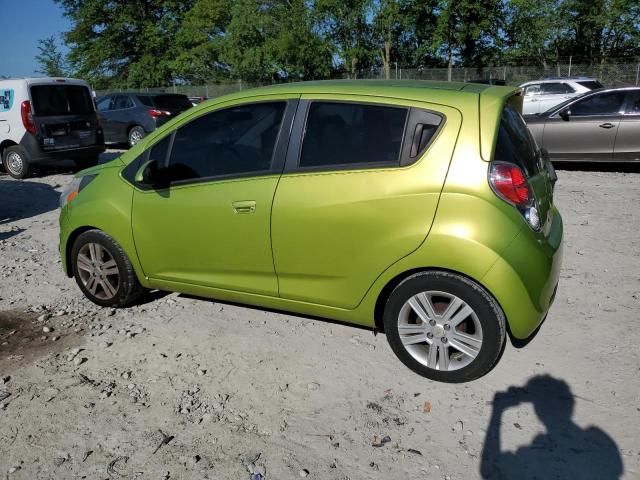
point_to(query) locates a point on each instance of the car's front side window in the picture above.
(603, 104)
(532, 90)
(351, 134)
(232, 141)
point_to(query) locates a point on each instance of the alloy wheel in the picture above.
(440, 330)
(98, 271)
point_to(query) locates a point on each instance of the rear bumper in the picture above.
(38, 155)
(525, 278)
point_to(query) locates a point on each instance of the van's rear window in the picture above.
(515, 143)
(48, 100)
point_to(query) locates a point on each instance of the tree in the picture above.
(123, 43)
(345, 23)
(51, 60)
(199, 42)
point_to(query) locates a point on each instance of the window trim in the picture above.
(277, 158)
(294, 153)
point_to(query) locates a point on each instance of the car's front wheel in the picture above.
(103, 271)
(444, 326)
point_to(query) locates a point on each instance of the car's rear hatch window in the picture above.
(516, 145)
(64, 115)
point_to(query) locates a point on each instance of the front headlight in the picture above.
(74, 187)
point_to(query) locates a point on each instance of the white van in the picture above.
(45, 119)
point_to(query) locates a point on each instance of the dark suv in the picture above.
(128, 117)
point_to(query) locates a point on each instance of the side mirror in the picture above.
(151, 174)
(565, 113)
(548, 166)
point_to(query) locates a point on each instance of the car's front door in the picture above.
(355, 196)
(211, 225)
(588, 131)
(627, 147)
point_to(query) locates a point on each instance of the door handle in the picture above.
(246, 206)
(607, 125)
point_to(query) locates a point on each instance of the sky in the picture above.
(23, 23)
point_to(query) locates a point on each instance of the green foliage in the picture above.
(51, 61)
(145, 43)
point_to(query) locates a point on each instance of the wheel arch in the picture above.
(69, 247)
(6, 144)
(381, 300)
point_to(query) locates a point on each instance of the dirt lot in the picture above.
(186, 388)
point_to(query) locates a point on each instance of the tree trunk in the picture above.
(450, 66)
(386, 59)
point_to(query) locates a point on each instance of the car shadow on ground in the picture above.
(564, 451)
(628, 167)
(20, 199)
(69, 166)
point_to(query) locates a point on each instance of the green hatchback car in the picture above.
(422, 210)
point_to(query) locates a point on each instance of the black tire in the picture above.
(16, 162)
(127, 289)
(87, 162)
(136, 133)
(487, 312)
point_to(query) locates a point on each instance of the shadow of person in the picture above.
(564, 451)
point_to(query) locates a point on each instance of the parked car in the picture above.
(541, 95)
(603, 125)
(422, 210)
(47, 119)
(128, 117)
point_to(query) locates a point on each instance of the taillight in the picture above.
(509, 182)
(27, 117)
(155, 113)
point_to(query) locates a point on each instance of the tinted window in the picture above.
(633, 103)
(228, 142)
(556, 88)
(146, 100)
(159, 150)
(591, 84)
(345, 134)
(515, 143)
(173, 102)
(104, 104)
(61, 100)
(121, 102)
(603, 104)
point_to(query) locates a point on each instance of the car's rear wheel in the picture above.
(136, 133)
(444, 326)
(103, 271)
(16, 162)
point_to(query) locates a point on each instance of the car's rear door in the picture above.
(359, 192)
(64, 115)
(589, 131)
(627, 146)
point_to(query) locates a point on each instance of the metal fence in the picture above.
(610, 74)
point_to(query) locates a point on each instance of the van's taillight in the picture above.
(27, 117)
(509, 182)
(154, 112)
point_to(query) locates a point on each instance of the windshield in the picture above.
(49, 100)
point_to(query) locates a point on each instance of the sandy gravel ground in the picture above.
(180, 388)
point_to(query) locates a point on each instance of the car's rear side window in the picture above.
(61, 100)
(344, 134)
(591, 84)
(515, 143)
(232, 141)
(554, 88)
(146, 100)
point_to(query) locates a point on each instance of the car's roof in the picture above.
(47, 81)
(559, 79)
